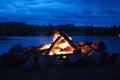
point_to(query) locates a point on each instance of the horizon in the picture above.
(64, 24)
(45, 12)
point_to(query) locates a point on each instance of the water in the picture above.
(112, 43)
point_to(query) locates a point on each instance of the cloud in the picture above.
(61, 11)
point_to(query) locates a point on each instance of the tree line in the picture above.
(22, 29)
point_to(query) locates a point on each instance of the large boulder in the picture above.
(16, 49)
(98, 45)
(86, 49)
(15, 56)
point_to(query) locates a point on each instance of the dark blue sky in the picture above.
(44, 12)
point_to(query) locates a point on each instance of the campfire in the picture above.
(61, 44)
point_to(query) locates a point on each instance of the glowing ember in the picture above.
(60, 47)
(64, 57)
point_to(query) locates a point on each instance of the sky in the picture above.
(77, 12)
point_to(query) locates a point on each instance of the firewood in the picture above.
(68, 40)
(48, 51)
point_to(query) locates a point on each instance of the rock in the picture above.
(80, 44)
(15, 56)
(0, 59)
(113, 58)
(95, 55)
(16, 50)
(103, 57)
(45, 61)
(98, 45)
(11, 60)
(77, 51)
(86, 49)
(85, 62)
(59, 62)
(31, 49)
(75, 57)
(118, 59)
(30, 63)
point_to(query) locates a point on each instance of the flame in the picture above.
(55, 35)
(61, 46)
(44, 46)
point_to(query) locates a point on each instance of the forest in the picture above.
(23, 29)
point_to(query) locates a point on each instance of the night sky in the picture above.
(44, 12)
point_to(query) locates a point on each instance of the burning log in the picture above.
(69, 41)
(60, 44)
(61, 39)
(47, 52)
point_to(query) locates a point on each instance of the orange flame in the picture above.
(61, 46)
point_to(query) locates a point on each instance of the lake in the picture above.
(112, 43)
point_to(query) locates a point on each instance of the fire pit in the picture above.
(61, 44)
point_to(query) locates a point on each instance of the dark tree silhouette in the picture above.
(22, 29)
